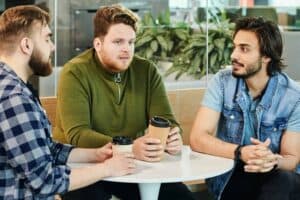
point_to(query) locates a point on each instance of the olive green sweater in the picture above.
(94, 105)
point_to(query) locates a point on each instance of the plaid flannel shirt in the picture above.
(32, 165)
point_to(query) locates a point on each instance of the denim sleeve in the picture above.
(294, 125)
(213, 97)
(294, 121)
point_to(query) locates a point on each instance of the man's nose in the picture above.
(52, 46)
(234, 54)
(125, 47)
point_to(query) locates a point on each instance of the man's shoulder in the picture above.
(82, 59)
(80, 62)
(9, 86)
(286, 82)
(225, 73)
(224, 76)
(142, 63)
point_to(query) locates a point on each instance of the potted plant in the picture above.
(192, 58)
(158, 40)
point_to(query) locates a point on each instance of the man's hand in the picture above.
(255, 150)
(263, 164)
(147, 149)
(120, 164)
(174, 141)
(258, 157)
(104, 152)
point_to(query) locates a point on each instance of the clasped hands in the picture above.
(150, 149)
(258, 157)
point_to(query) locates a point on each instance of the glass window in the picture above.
(190, 39)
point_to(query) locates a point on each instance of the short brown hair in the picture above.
(17, 21)
(113, 14)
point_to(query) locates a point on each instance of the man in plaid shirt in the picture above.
(32, 166)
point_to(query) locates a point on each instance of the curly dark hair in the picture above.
(269, 38)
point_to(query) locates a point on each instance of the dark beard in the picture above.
(38, 66)
(250, 73)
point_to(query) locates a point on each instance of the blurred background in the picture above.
(189, 40)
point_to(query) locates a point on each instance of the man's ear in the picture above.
(266, 59)
(26, 45)
(97, 44)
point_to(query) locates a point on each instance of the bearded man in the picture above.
(32, 165)
(254, 109)
(108, 91)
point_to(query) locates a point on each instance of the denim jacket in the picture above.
(276, 106)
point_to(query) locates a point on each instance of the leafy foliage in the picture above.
(157, 40)
(192, 59)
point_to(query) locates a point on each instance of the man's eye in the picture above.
(244, 49)
(117, 42)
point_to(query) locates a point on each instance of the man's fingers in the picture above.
(255, 141)
(173, 149)
(173, 141)
(174, 130)
(153, 153)
(263, 152)
(154, 148)
(256, 169)
(261, 165)
(150, 140)
(266, 143)
(152, 159)
(255, 162)
(251, 168)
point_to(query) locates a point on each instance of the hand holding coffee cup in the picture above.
(174, 141)
(159, 128)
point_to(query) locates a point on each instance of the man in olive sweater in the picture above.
(107, 91)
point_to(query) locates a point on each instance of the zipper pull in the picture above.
(118, 78)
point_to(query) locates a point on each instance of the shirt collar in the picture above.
(267, 94)
(107, 74)
(7, 71)
(269, 91)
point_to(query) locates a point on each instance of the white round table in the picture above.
(188, 166)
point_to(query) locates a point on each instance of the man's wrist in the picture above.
(238, 153)
(276, 166)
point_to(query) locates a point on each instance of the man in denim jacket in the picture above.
(254, 109)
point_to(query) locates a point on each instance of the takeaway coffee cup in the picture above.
(159, 128)
(122, 144)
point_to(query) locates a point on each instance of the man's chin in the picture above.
(237, 75)
(48, 73)
(45, 72)
(121, 68)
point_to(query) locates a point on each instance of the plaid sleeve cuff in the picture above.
(61, 152)
(67, 173)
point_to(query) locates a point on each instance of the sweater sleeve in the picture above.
(73, 110)
(159, 103)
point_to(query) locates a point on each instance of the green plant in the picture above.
(192, 60)
(157, 39)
